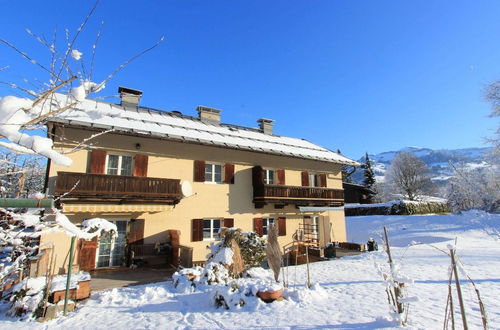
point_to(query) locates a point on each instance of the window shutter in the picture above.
(322, 179)
(97, 161)
(257, 226)
(141, 165)
(257, 176)
(281, 226)
(136, 233)
(229, 173)
(305, 179)
(281, 176)
(197, 230)
(199, 171)
(87, 254)
(228, 223)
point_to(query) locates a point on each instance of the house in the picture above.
(170, 181)
(357, 194)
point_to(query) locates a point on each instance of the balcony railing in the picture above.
(297, 195)
(123, 188)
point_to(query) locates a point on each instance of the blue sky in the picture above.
(356, 75)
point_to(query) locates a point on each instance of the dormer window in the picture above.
(119, 165)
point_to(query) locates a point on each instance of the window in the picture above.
(211, 228)
(266, 224)
(314, 180)
(268, 176)
(213, 173)
(119, 165)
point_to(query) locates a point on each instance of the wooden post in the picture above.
(307, 267)
(397, 288)
(68, 279)
(459, 290)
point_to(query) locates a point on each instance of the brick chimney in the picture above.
(129, 97)
(266, 125)
(209, 115)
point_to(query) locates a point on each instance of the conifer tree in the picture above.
(369, 179)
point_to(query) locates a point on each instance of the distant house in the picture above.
(170, 182)
(357, 194)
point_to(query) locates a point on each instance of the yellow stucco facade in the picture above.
(175, 160)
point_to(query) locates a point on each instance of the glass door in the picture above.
(111, 250)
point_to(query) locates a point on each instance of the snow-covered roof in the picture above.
(178, 127)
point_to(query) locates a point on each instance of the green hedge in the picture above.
(398, 208)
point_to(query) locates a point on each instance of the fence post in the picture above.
(459, 290)
(68, 279)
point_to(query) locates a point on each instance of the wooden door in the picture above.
(87, 254)
(136, 232)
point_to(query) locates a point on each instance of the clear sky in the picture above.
(355, 75)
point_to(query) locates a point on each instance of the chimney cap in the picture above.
(265, 120)
(204, 108)
(127, 90)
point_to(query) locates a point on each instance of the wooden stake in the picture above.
(68, 279)
(459, 290)
(307, 267)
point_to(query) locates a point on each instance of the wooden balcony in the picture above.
(281, 195)
(117, 188)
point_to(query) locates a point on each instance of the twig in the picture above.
(52, 90)
(94, 47)
(124, 64)
(26, 56)
(70, 45)
(82, 145)
(39, 119)
(27, 91)
(68, 192)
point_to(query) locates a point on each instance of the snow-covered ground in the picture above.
(349, 293)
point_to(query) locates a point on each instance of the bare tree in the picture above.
(408, 175)
(492, 94)
(474, 188)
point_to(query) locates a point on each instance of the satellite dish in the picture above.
(186, 189)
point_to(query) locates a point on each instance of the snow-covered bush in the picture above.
(475, 188)
(253, 249)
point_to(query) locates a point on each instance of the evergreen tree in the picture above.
(369, 179)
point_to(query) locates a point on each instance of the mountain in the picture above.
(439, 161)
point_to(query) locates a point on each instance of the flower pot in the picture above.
(269, 296)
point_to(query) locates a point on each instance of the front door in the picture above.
(111, 250)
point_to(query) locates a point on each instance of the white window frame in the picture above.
(314, 177)
(212, 179)
(112, 244)
(266, 222)
(120, 158)
(213, 236)
(267, 171)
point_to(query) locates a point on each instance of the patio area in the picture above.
(119, 277)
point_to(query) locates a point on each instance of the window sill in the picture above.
(214, 183)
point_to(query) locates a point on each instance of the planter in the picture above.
(82, 292)
(270, 296)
